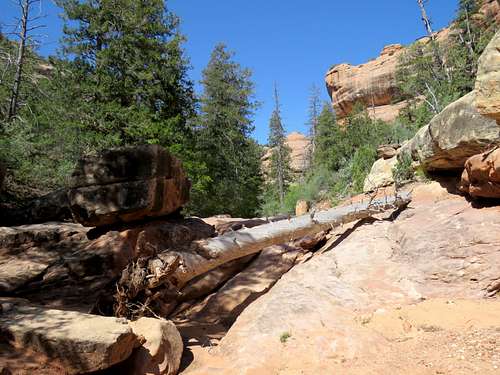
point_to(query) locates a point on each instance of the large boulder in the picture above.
(488, 80)
(47, 341)
(160, 353)
(481, 176)
(454, 135)
(380, 175)
(127, 184)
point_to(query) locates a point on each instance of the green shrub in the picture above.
(403, 171)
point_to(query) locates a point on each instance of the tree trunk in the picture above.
(211, 253)
(25, 6)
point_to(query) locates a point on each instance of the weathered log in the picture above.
(210, 253)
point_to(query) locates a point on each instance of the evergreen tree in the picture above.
(327, 134)
(280, 153)
(231, 156)
(314, 113)
(127, 58)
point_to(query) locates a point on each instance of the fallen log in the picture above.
(213, 252)
(155, 281)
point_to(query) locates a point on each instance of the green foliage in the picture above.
(279, 168)
(343, 157)
(223, 139)
(131, 72)
(431, 83)
(403, 170)
(284, 337)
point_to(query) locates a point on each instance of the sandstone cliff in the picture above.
(373, 84)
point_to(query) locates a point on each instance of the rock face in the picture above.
(356, 308)
(69, 342)
(380, 174)
(300, 147)
(453, 136)
(371, 84)
(127, 184)
(488, 80)
(481, 177)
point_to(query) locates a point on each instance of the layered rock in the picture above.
(371, 84)
(48, 341)
(488, 80)
(454, 135)
(50, 207)
(300, 147)
(127, 184)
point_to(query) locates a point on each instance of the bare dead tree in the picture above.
(433, 40)
(23, 31)
(426, 19)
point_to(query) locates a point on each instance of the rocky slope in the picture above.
(390, 296)
(373, 83)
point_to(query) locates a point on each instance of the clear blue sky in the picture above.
(292, 42)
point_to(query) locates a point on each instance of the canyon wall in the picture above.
(373, 84)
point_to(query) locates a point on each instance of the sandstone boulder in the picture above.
(380, 174)
(46, 341)
(481, 177)
(454, 135)
(161, 351)
(387, 151)
(301, 207)
(488, 80)
(127, 184)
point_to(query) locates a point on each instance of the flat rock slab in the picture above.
(66, 340)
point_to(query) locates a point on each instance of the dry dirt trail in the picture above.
(413, 295)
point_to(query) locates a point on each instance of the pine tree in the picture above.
(127, 58)
(232, 157)
(280, 157)
(328, 134)
(314, 112)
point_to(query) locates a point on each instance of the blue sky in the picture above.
(292, 42)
